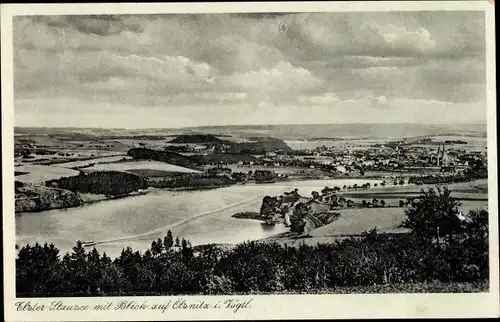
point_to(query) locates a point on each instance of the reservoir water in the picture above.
(199, 216)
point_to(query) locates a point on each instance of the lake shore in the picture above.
(89, 198)
(476, 188)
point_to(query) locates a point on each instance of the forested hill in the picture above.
(268, 144)
(255, 145)
(199, 139)
(164, 156)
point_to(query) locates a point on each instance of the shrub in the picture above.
(433, 215)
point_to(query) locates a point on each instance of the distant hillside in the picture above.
(258, 146)
(198, 139)
(284, 132)
(191, 162)
(164, 156)
(356, 130)
(268, 144)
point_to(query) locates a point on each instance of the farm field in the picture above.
(91, 153)
(482, 186)
(356, 221)
(386, 174)
(37, 157)
(129, 143)
(361, 143)
(312, 144)
(40, 173)
(469, 139)
(386, 220)
(83, 163)
(136, 165)
(151, 173)
(468, 205)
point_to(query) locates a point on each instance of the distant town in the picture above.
(263, 161)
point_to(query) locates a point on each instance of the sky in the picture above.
(167, 71)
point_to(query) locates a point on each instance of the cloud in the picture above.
(337, 60)
(234, 53)
(101, 25)
(397, 38)
(282, 78)
(210, 97)
(166, 67)
(378, 101)
(324, 99)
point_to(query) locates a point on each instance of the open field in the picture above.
(473, 143)
(41, 173)
(477, 141)
(482, 186)
(130, 143)
(74, 142)
(83, 163)
(152, 173)
(135, 165)
(37, 157)
(353, 222)
(92, 153)
(312, 144)
(387, 220)
(467, 205)
(356, 221)
(66, 156)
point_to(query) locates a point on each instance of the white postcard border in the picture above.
(264, 306)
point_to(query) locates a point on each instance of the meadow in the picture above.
(40, 173)
(356, 221)
(136, 165)
(84, 163)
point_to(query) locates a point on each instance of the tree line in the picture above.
(440, 247)
(477, 169)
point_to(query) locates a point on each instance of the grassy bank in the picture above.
(431, 287)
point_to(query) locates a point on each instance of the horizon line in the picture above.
(241, 125)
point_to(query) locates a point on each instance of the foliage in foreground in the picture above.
(257, 267)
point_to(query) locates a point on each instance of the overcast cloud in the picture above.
(186, 70)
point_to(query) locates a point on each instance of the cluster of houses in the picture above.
(260, 176)
(306, 212)
(380, 158)
(395, 156)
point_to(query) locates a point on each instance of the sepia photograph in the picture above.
(247, 153)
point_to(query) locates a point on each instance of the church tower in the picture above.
(438, 154)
